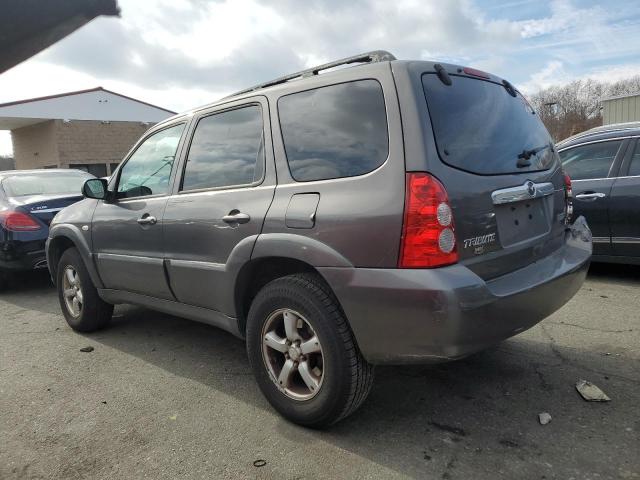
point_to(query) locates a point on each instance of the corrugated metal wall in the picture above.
(618, 110)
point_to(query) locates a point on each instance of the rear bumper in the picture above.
(422, 316)
(29, 256)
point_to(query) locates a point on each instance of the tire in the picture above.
(341, 375)
(93, 312)
(4, 280)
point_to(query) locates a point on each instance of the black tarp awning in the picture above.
(29, 26)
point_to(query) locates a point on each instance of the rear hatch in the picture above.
(500, 168)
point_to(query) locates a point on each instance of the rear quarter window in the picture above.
(334, 131)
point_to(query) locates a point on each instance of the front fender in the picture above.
(62, 233)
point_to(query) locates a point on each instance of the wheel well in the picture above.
(256, 274)
(57, 247)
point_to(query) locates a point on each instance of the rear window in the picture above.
(227, 150)
(335, 131)
(479, 127)
(48, 183)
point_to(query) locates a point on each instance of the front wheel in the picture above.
(81, 306)
(303, 354)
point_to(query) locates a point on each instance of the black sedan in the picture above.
(29, 199)
(604, 166)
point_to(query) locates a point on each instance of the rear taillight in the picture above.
(568, 195)
(428, 233)
(567, 186)
(18, 221)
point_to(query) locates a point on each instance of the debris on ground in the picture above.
(591, 392)
(259, 463)
(544, 418)
(86, 349)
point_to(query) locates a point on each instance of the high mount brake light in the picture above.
(18, 221)
(475, 73)
(428, 232)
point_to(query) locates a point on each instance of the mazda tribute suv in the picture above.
(383, 212)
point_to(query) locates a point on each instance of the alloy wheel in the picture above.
(72, 291)
(292, 353)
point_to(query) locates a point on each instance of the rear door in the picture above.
(227, 185)
(127, 230)
(624, 207)
(592, 168)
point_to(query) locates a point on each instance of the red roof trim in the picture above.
(78, 92)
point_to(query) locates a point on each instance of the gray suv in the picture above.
(393, 212)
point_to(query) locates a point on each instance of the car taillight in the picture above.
(18, 221)
(568, 195)
(567, 186)
(428, 233)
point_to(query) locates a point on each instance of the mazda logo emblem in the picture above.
(531, 188)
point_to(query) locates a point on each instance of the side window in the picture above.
(590, 161)
(148, 170)
(335, 131)
(634, 168)
(227, 150)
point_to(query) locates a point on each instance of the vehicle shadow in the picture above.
(466, 419)
(32, 291)
(615, 273)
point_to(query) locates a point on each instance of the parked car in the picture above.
(395, 212)
(29, 199)
(604, 166)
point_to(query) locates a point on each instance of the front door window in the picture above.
(148, 170)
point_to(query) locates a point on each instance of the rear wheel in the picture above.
(303, 354)
(81, 306)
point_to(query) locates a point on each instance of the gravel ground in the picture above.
(162, 397)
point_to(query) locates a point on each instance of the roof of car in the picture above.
(11, 173)
(332, 70)
(604, 132)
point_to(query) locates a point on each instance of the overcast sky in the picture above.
(182, 53)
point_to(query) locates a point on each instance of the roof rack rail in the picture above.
(368, 57)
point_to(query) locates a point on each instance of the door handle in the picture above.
(236, 217)
(147, 219)
(591, 196)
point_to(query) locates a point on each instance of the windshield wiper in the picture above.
(523, 158)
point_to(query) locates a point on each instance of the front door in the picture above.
(625, 207)
(589, 167)
(213, 221)
(127, 229)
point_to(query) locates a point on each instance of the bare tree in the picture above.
(575, 107)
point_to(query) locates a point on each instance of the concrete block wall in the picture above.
(35, 146)
(96, 142)
(58, 143)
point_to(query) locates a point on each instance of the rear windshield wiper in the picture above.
(523, 158)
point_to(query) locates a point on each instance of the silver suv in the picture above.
(393, 212)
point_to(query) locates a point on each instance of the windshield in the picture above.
(45, 183)
(479, 127)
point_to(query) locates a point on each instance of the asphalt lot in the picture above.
(162, 397)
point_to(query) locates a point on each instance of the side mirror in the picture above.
(95, 188)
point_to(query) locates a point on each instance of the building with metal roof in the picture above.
(621, 109)
(88, 129)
